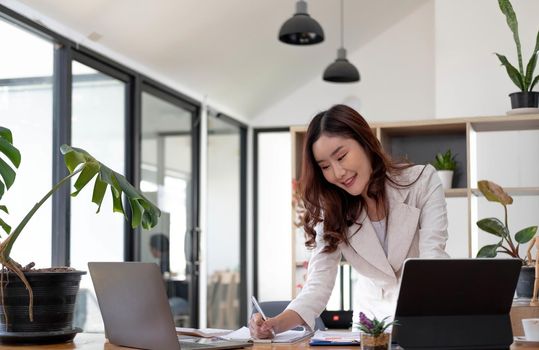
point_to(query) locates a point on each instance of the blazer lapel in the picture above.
(401, 227)
(365, 242)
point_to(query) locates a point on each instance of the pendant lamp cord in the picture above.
(342, 23)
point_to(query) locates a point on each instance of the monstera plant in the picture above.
(84, 168)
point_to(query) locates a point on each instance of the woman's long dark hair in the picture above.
(328, 203)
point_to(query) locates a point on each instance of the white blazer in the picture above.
(416, 227)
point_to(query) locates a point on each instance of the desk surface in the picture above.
(88, 341)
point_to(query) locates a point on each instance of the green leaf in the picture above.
(534, 82)
(5, 226)
(488, 251)
(513, 73)
(10, 151)
(100, 188)
(86, 175)
(526, 234)
(529, 72)
(72, 157)
(4, 209)
(507, 10)
(530, 68)
(143, 211)
(493, 226)
(2, 189)
(7, 173)
(5, 133)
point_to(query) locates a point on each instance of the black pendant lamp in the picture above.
(301, 29)
(341, 71)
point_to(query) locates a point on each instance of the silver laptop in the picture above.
(135, 309)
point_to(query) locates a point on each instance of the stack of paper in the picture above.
(243, 334)
(203, 332)
(335, 338)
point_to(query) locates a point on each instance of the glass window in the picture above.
(275, 219)
(98, 115)
(223, 232)
(166, 180)
(26, 68)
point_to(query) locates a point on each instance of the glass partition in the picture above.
(98, 115)
(26, 68)
(166, 179)
(223, 231)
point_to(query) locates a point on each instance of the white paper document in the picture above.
(336, 336)
(203, 332)
(243, 334)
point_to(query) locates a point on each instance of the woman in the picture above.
(362, 205)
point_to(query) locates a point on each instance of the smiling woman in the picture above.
(361, 204)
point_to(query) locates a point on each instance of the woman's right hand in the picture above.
(261, 329)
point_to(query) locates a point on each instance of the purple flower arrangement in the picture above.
(373, 327)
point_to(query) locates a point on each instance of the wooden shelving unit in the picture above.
(419, 140)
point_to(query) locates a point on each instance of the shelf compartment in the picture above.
(456, 192)
(513, 191)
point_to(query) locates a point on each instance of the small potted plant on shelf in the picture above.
(507, 244)
(46, 316)
(445, 164)
(373, 333)
(524, 80)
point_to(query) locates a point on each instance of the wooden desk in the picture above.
(89, 341)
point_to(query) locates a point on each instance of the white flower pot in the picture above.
(446, 176)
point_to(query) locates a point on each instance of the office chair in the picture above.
(273, 308)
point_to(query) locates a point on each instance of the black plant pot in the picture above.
(54, 302)
(525, 282)
(524, 99)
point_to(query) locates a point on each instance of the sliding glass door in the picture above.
(169, 178)
(225, 226)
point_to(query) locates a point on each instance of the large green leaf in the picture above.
(143, 212)
(511, 17)
(493, 226)
(513, 73)
(526, 234)
(488, 251)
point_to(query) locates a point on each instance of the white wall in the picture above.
(469, 78)
(438, 62)
(397, 78)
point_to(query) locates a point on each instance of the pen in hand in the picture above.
(259, 309)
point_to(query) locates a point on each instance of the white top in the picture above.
(416, 227)
(380, 228)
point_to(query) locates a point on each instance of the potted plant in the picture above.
(446, 164)
(524, 80)
(37, 305)
(373, 333)
(506, 244)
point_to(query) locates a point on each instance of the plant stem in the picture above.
(13, 236)
(509, 239)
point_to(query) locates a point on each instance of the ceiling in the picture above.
(225, 49)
